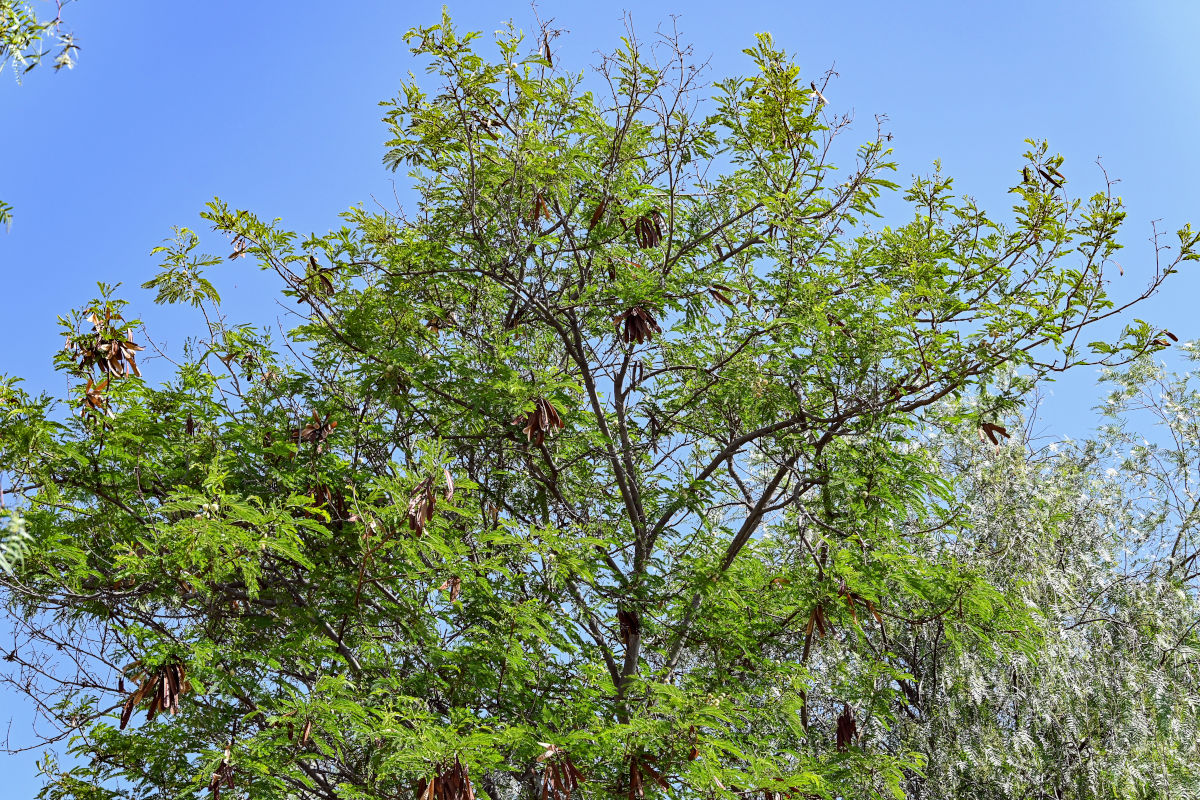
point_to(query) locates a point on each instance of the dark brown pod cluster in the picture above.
(847, 727)
(222, 777)
(163, 687)
(423, 501)
(561, 777)
(539, 423)
(642, 771)
(647, 229)
(637, 325)
(451, 783)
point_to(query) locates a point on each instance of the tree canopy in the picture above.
(634, 459)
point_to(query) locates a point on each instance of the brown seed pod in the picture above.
(639, 325)
(994, 432)
(560, 777)
(223, 776)
(111, 356)
(847, 727)
(721, 293)
(539, 423)
(647, 229)
(240, 245)
(541, 209)
(454, 584)
(163, 687)
(315, 432)
(94, 401)
(597, 214)
(421, 505)
(819, 622)
(450, 782)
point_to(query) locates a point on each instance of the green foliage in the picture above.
(625, 447)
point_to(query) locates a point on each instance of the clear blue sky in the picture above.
(272, 106)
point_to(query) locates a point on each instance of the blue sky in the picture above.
(272, 105)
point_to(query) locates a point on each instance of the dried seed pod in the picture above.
(647, 229)
(332, 500)
(560, 777)
(541, 209)
(1057, 184)
(240, 245)
(223, 775)
(818, 622)
(315, 432)
(847, 727)
(640, 770)
(540, 422)
(597, 214)
(111, 356)
(721, 293)
(454, 584)
(991, 429)
(450, 782)
(820, 97)
(832, 320)
(421, 505)
(639, 325)
(163, 687)
(94, 401)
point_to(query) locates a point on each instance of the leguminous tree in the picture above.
(595, 472)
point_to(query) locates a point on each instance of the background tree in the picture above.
(25, 40)
(23, 45)
(1098, 541)
(597, 472)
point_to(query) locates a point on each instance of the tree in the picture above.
(1098, 540)
(596, 473)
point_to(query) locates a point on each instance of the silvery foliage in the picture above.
(13, 540)
(26, 39)
(1099, 543)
